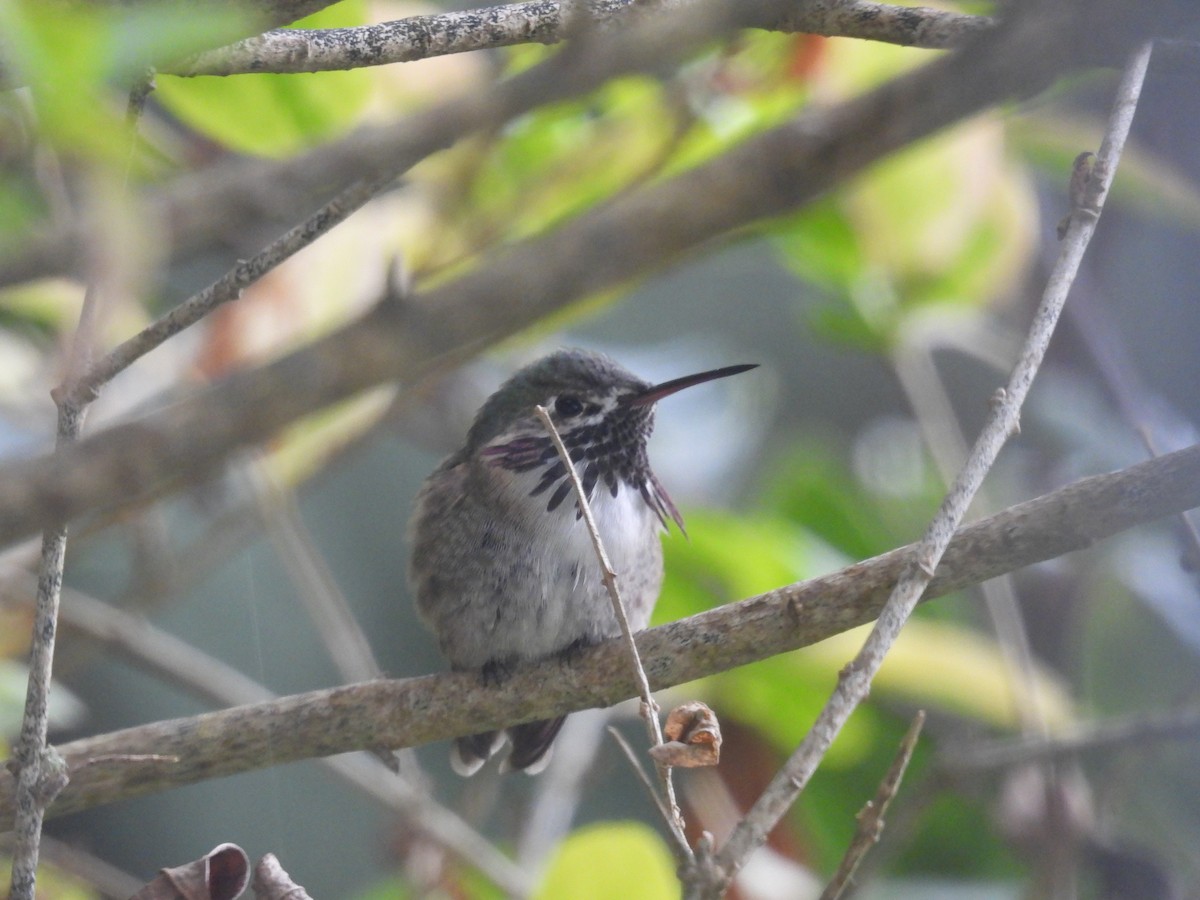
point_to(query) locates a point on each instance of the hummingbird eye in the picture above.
(568, 406)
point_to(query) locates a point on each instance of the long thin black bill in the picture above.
(656, 393)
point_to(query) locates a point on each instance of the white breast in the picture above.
(573, 602)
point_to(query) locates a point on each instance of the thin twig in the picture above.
(230, 285)
(681, 845)
(41, 773)
(870, 817)
(1139, 730)
(855, 679)
(326, 605)
(649, 708)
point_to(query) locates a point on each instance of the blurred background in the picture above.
(883, 317)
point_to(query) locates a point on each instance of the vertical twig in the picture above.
(648, 707)
(855, 679)
(40, 773)
(870, 817)
(318, 591)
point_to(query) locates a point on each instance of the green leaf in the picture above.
(274, 115)
(944, 665)
(948, 223)
(566, 157)
(611, 861)
(81, 59)
(813, 486)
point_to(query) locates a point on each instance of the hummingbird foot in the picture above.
(569, 654)
(495, 672)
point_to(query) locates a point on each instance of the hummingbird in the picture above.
(502, 568)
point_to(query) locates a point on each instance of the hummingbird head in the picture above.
(604, 413)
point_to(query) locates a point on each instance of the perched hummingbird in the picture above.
(502, 566)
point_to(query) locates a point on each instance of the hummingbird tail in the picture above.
(531, 745)
(468, 754)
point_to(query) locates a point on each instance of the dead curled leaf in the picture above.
(693, 737)
(221, 874)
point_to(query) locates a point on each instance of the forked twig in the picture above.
(649, 708)
(644, 779)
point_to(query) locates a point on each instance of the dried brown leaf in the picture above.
(693, 737)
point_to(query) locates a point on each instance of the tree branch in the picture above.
(517, 285)
(541, 22)
(177, 662)
(1140, 730)
(649, 709)
(400, 713)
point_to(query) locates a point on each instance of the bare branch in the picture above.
(40, 772)
(870, 817)
(317, 589)
(408, 712)
(855, 679)
(434, 130)
(540, 22)
(1140, 730)
(682, 849)
(228, 287)
(517, 285)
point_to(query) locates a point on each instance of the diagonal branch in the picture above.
(196, 210)
(854, 681)
(516, 286)
(401, 713)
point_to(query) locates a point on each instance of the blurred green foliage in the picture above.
(275, 115)
(80, 62)
(611, 861)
